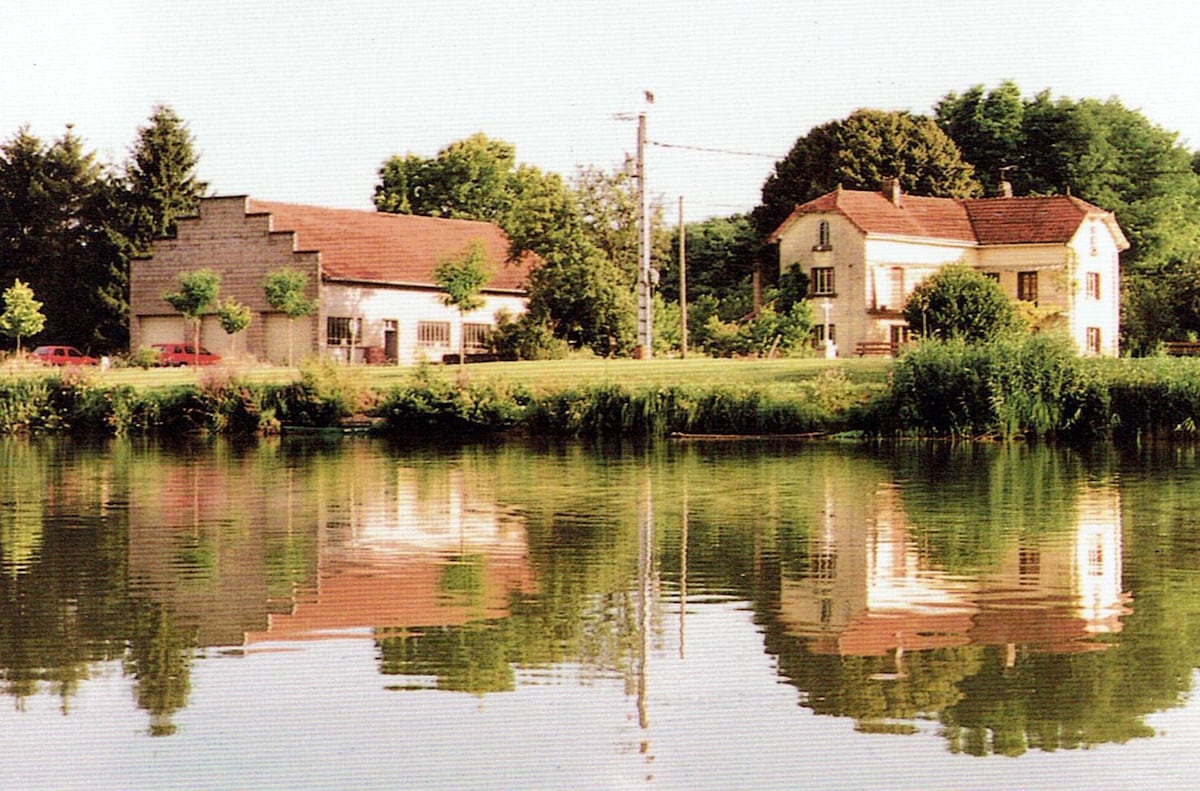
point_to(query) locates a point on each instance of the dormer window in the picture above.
(823, 236)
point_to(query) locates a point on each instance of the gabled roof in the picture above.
(403, 249)
(1051, 219)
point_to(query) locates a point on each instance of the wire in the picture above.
(714, 150)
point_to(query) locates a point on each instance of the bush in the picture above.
(1033, 386)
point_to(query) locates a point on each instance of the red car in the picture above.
(184, 354)
(63, 355)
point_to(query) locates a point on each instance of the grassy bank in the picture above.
(1031, 388)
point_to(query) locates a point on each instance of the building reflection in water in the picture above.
(412, 552)
(871, 590)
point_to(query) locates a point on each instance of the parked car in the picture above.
(184, 354)
(63, 355)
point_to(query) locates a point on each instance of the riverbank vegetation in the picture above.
(1031, 387)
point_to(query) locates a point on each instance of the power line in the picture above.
(714, 150)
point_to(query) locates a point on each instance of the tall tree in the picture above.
(55, 235)
(987, 126)
(160, 177)
(858, 152)
(469, 179)
(1113, 157)
(578, 289)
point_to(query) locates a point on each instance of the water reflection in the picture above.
(1017, 598)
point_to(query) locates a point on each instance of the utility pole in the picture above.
(682, 283)
(645, 305)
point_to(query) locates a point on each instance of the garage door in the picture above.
(162, 329)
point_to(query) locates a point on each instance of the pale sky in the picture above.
(303, 101)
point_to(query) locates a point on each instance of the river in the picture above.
(311, 614)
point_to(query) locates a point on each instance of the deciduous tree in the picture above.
(858, 152)
(286, 290)
(959, 302)
(22, 316)
(196, 295)
(461, 280)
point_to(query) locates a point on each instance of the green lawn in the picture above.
(547, 375)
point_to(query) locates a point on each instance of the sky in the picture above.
(303, 101)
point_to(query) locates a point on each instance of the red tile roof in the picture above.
(1051, 219)
(391, 248)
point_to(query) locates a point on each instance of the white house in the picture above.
(864, 252)
(370, 272)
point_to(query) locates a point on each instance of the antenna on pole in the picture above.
(645, 304)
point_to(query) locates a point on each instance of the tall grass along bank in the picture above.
(1033, 387)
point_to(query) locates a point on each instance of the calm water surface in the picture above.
(690, 615)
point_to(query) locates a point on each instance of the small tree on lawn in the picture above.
(234, 318)
(462, 280)
(22, 315)
(285, 291)
(959, 302)
(197, 293)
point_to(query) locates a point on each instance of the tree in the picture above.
(858, 152)
(469, 179)
(56, 229)
(197, 293)
(22, 315)
(160, 177)
(959, 302)
(579, 287)
(286, 291)
(988, 129)
(462, 280)
(234, 317)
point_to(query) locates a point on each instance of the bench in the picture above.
(875, 349)
(1182, 348)
(472, 357)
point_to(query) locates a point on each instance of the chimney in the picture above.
(1006, 189)
(891, 191)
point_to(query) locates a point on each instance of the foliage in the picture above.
(462, 279)
(1034, 386)
(722, 254)
(582, 287)
(160, 180)
(859, 152)
(435, 407)
(767, 333)
(54, 236)
(196, 295)
(959, 302)
(22, 316)
(524, 338)
(233, 316)
(286, 290)
(1108, 155)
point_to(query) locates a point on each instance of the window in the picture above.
(823, 236)
(1093, 285)
(477, 337)
(342, 330)
(822, 280)
(992, 276)
(819, 333)
(1027, 290)
(1093, 340)
(433, 333)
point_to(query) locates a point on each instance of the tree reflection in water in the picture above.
(1017, 598)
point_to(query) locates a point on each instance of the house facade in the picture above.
(865, 252)
(370, 273)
